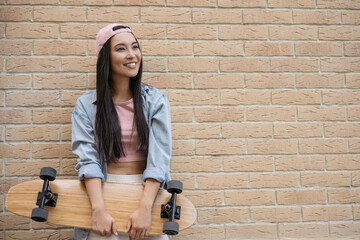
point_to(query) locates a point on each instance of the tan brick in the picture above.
(356, 212)
(348, 97)
(248, 197)
(246, 130)
(181, 114)
(191, 3)
(270, 113)
(355, 179)
(216, 80)
(340, 64)
(241, 3)
(291, 4)
(20, 150)
(321, 113)
(139, 2)
(216, 16)
(350, 17)
(274, 180)
(59, 14)
(15, 47)
(15, 115)
(14, 222)
(198, 64)
(344, 196)
(65, 133)
(219, 114)
(202, 232)
(108, 14)
(220, 147)
(275, 214)
(248, 164)
(318, 49)
(68, 167)
(166, 15)
(294, 65)
(342, 162)
(198, 164)
(326, 213)
(236, 32)
(190, 32)
(266, 81)
(316, 17)
(305, 230)
(342, 129)
(171, 80)
(237, 64)
(68, 98)
(343, 4)
(291, 197)
(222, 181)
(79, 31)
(32, 64)
(11, 81)
(222, 215)
(268, 49)
(33, 2)
(354, 146)
(319, 80)
(15, 14)
(2, 138)
(7, 183)
(40, 235)
(299, 163)
(297, 130)
(78, 64)
(292, 33)
(183, 148)
(38, 98)
(279, 146)
(353, 113)
(28, 168)
(33, 30)
(52, 150)
(86, 2)
(32, 133)
(266, 16)
(322, 146)
(346, 229)
(198, 131)
(193, 98)
(325, 179)
(343, 33)
(244, 97)
(218, 48)
(149, 31)
(258, 231)
(55, 81)
(52, 115)
(187, 180)
(352, 49)
(154, 64)
(166, 48)
(295, 97)
(205, 198)
(60, 47)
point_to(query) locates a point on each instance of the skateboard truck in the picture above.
(170, 210)
(46, 197)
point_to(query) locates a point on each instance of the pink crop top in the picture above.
(125, 112)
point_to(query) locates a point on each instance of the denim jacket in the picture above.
(157, 114)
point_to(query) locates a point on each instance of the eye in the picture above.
(136, 46)
(120, 49)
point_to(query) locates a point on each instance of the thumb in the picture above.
(114, 228)
(128, 225)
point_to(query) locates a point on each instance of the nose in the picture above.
(130, 54)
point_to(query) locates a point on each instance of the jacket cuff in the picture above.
(156, 174)
(90, 171)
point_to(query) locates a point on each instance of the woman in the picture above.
(121, 133)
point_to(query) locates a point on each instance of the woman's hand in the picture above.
(102, 223)
(139, 223)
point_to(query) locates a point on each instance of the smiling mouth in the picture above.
(130, 64)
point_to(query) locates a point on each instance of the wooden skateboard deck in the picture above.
(73, 206)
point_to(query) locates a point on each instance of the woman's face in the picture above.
(125, 55)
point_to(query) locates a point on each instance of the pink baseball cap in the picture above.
(107, 32)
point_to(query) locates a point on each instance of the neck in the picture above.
(121, 91)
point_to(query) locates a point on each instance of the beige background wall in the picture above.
(265, 106)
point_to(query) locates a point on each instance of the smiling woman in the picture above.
(121, 133)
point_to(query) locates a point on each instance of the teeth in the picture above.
(131, 64)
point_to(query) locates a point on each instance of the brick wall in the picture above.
(265, 106)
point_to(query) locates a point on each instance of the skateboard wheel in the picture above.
(48, 173)
(39, 214)
(174, 186)
(171, 228)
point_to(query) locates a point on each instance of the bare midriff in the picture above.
(126, 168)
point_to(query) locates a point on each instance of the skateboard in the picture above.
(65, 202)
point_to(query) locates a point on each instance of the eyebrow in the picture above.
(123, 44)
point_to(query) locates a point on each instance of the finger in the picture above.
(128, 226)
(114, 228)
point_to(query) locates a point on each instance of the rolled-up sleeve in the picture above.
(160, 142)
(83, 145)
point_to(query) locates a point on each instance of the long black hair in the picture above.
(107, 126)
